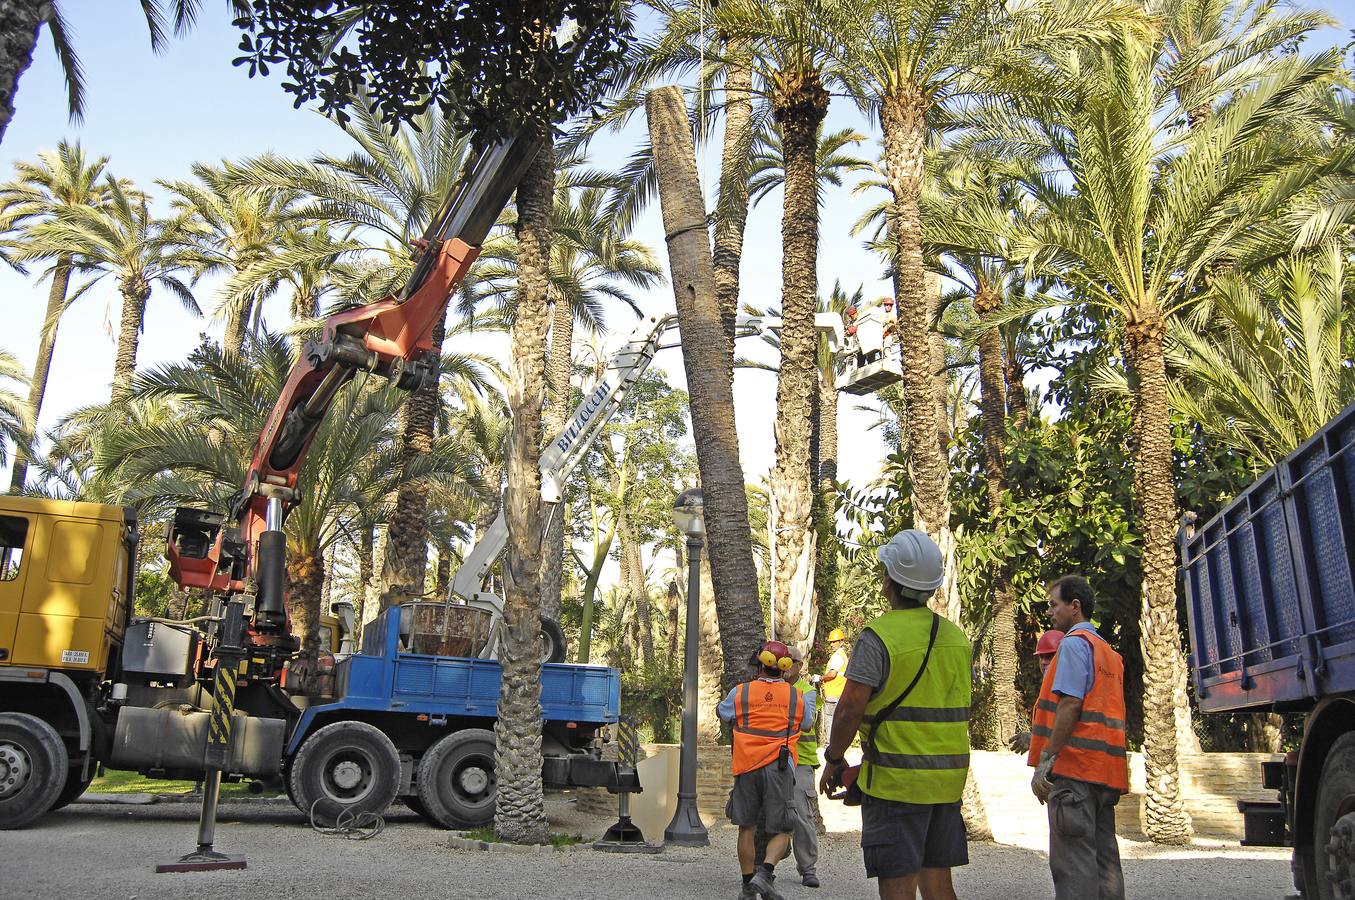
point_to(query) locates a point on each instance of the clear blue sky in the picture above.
(155, 115)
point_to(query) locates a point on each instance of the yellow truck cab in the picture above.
(66, 585)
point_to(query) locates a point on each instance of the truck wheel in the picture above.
(345, 767)
(1334, 823)
(74, 787)
(33, 764)
(552, 641)
(456, 785)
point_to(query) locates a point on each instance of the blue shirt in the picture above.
(1073, 667)
(726, 708)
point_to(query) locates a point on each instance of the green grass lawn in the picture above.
(116, 782)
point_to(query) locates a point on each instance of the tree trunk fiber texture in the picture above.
(733, 201)
(135, 293)
(711, 663)
(368, 605)
(37, 387)
(901, 116)
(633, 583)
(557, 413)
(1018, 406)
(799, 104)
(520, 812)
(237, 323)
(406, 563)
(305, 589)
(1164, 690)
(993, 409)
(709, 363)
(20, 23)
(443, 574)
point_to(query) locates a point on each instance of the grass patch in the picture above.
(119, 782)
(556, 839)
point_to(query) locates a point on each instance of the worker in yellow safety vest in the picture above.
(907, 691)
(833, 681)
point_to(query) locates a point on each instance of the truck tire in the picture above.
(33, 765)
(75, 786)
(456, 784)
(1334, 845)
(552, 641)
(345, 767)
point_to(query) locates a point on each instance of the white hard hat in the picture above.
(913, 560)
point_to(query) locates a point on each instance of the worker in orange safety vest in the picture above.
(767, 715)
(1077, 747)
(1045, 648)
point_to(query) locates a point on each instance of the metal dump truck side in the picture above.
(1270, 583)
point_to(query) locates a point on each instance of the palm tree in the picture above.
(198, 455)
(1151, 207)
(906, 62)
(123, 239)
(768, 167)
(57, 180)
(15, 424)
(226, 227)
(1270, 369)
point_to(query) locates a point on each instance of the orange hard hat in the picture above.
(836, 635)
(1048, 643)
(775, 655)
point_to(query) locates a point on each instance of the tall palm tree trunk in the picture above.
(406, 562)
(135, 293)
(708, 360)
(20, 23)
(800, 104)
(442, 578)
(633, 582)
(520, 812)
(237, 323)
(732, 213)
(305, 588)
(557, 412)
(902, 119)
(366, 556)
(993, 409)
(37, 387)
(1165, 818)
(1018, 406)
(825, 500)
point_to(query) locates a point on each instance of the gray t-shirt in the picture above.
(869, 664)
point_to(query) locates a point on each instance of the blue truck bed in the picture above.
(383, 678)
(1269, 586)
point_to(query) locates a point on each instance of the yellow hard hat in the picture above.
(836, 635)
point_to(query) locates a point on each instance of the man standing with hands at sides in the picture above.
(833, 682)
(767, 715)
(907, 690)
(1077, 747)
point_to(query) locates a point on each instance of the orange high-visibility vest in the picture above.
(1095, 751)
(766, 718)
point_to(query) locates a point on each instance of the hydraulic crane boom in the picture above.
(243, 552)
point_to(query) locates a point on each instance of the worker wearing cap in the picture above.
(805, 841)
(767, 716)
(1045, 648)
(833, 681)
(1077, 747)
(908, 686)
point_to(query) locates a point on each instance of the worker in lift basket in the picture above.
(767, 716)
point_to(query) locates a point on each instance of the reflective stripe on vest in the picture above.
(807, 750)
(921, 749)
(1095, 751)
(766, 718)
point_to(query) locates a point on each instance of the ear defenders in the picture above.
(775, 655)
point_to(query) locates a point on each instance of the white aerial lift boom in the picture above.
(568, 448)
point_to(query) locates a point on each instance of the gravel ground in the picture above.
(110, 851)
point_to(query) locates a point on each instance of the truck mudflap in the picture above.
(587, 771)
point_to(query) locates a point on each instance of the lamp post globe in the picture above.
(686, 828)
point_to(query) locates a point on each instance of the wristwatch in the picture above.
(828, 758)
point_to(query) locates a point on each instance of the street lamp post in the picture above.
(687, 828)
